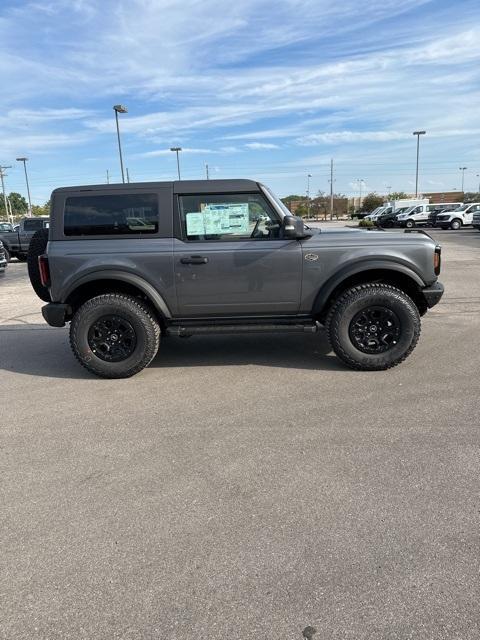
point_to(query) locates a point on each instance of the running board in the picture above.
(211, 329)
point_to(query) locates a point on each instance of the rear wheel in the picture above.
(455, 224)
(373, 327)
(114, 335)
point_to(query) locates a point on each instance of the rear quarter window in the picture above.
(111, 215)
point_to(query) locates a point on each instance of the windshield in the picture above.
(402, 210)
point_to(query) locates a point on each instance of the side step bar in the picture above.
(211, 329)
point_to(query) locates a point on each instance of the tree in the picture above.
(17, 202)
(371, 201)
(41, 210)
(398, 195)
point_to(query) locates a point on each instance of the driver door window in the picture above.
(227, 217)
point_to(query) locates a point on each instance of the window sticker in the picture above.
(219, 219)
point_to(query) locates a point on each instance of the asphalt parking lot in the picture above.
(243, 487)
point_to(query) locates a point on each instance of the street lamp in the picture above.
(177, 149)
(118, 108)
(360, 182)
(24, 160)
(478, 176)
(463, 169)
(418, 134)
(309, 175)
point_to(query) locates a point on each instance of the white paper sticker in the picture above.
(219, 219)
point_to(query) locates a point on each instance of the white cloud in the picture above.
(261, 145)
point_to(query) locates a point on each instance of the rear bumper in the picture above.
(433, 294)
(55, 314)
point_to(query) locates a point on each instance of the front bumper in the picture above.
(55, 313)
(433, 294)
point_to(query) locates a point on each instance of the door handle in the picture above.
(194, 260)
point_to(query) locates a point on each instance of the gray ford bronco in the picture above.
(128, 264)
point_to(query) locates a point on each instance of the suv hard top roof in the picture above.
(178, 186)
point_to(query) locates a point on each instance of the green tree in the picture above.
(41, 210)
(398, 195)
(371, 201)
(17, 202)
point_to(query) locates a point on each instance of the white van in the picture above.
(415, 215)
(457, 218)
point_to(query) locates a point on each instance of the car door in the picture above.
(230, 258)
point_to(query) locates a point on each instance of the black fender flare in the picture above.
(348, 271)
(122, 276)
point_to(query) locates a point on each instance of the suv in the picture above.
(459, 217)
(126, 264)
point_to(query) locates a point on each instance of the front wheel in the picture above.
(373, 327)
(455, 224)
(7, 254)
(410, 224)
(114, 335)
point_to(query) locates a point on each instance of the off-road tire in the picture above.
(456, 224)
(37, 247)
(135, 312)
(353, 301)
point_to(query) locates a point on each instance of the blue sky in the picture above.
(258, 88)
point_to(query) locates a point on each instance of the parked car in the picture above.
(441, 207)
(5, 226)
(16, 243)
(388, 218)
(3, 259)
(476, 220)
(203, 265)
(459, 217)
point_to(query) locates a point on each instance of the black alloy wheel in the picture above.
(112, 338)
(375, 329)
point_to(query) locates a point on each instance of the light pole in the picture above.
(463, 169)
(177, 150)
(360, 182)
(478, 176)
(418, 134)
(309, 175)
(24, 160)
(118, 108)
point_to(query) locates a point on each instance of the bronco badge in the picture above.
(311, 257)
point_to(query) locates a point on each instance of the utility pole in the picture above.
(5, 201)
(128, 176)
(206, 171)
(463, 169)
(331, 189)
(108, 177)
(478, 176)
(308, 195)
(24, 160)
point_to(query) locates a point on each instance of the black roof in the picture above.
(179, 186)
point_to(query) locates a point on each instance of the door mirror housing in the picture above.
(293, 228)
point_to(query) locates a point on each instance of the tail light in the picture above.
(44, 270)
(437, 260)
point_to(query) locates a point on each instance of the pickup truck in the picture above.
(128, 264)
(16, 243)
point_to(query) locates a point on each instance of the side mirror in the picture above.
(293, 228)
